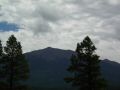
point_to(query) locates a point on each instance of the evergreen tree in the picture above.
(1, 62)
(3, 85)
(85, 65)
(16, 66)
(1, 66)
(1, 54)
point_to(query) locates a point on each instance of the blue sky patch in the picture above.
(5, 26)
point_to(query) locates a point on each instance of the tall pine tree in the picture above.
(3, 84)
(85, 65)
(1, 67)
(16, 66)
(1, 56)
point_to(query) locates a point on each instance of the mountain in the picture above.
(48, 69)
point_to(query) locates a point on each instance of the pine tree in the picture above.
(3, 85)
(16, 66)
(1, 49)
(1, 65)
(1, 55)
(85, 65)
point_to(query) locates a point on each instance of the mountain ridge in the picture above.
(48, 68)
(51, 48)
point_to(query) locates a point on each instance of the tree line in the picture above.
(85, 67)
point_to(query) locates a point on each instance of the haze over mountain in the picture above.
(48, 68)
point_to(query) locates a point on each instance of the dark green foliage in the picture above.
(1, 66)
(14, 65)
(1, 52)
(3, 84)
(85, 67)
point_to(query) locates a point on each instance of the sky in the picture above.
(38, 24)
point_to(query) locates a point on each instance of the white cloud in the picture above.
(63, 23)
(114, 2)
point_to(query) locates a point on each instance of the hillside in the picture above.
(48, 68)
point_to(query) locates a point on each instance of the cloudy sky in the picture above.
(62, 23)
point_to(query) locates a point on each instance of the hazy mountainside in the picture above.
(48, 68)
(111, 71)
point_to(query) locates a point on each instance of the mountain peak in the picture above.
(48, 48)
(52, 49)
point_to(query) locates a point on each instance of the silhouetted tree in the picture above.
(1, 54)
(16, 66)
(85, 67)
(3, 84)
(1, 66)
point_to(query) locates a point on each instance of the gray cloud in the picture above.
(34, 15)
(63, 23)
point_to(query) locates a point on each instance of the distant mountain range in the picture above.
(48, 69)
